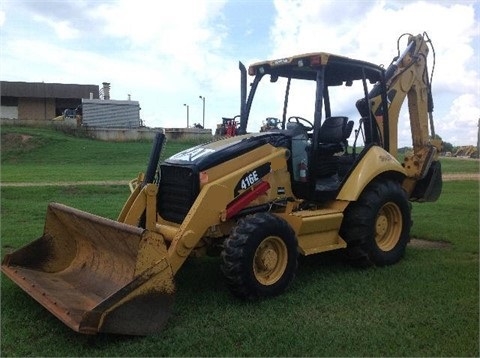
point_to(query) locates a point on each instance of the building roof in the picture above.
(47, 90)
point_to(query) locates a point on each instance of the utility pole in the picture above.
(478, 139)
(203, 100)
(188, 114)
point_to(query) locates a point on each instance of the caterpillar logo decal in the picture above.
(252, 177)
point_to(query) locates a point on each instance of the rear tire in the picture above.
(260, 257)
(377, 226)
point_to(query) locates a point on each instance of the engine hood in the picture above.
(207, 155)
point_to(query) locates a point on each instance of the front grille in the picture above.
(177, 192)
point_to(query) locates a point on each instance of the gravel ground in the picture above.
(461, 176)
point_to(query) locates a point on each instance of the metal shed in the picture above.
(110, 113)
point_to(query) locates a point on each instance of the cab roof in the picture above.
(338, 69)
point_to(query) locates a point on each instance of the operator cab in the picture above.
(314, 111)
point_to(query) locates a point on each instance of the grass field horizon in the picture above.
(426, 305)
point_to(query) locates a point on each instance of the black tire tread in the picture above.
(357, 227)
(238, 246)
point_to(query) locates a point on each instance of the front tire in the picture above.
(377, 226)
(260, 256)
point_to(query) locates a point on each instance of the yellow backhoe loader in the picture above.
(261, 198)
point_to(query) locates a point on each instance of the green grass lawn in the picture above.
(426, 305)
(45, 155)
(460, 165)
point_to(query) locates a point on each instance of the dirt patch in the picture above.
(427, 244)
(13, 139)
(14, 142)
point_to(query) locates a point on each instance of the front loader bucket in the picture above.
(96, 274)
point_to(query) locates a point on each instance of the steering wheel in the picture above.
(302, 121)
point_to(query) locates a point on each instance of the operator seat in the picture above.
(333, 135)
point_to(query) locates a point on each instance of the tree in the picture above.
(447, 147)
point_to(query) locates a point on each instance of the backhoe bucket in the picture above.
(95, 274)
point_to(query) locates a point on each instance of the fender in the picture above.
(374, 163)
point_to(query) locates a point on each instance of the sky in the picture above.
(167, 57)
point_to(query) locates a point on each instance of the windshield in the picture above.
(269, 102)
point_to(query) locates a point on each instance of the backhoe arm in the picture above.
(407, 77)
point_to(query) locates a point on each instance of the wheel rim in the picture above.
(388, 226)
(270, 260)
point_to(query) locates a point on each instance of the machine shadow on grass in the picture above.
(201, 283)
